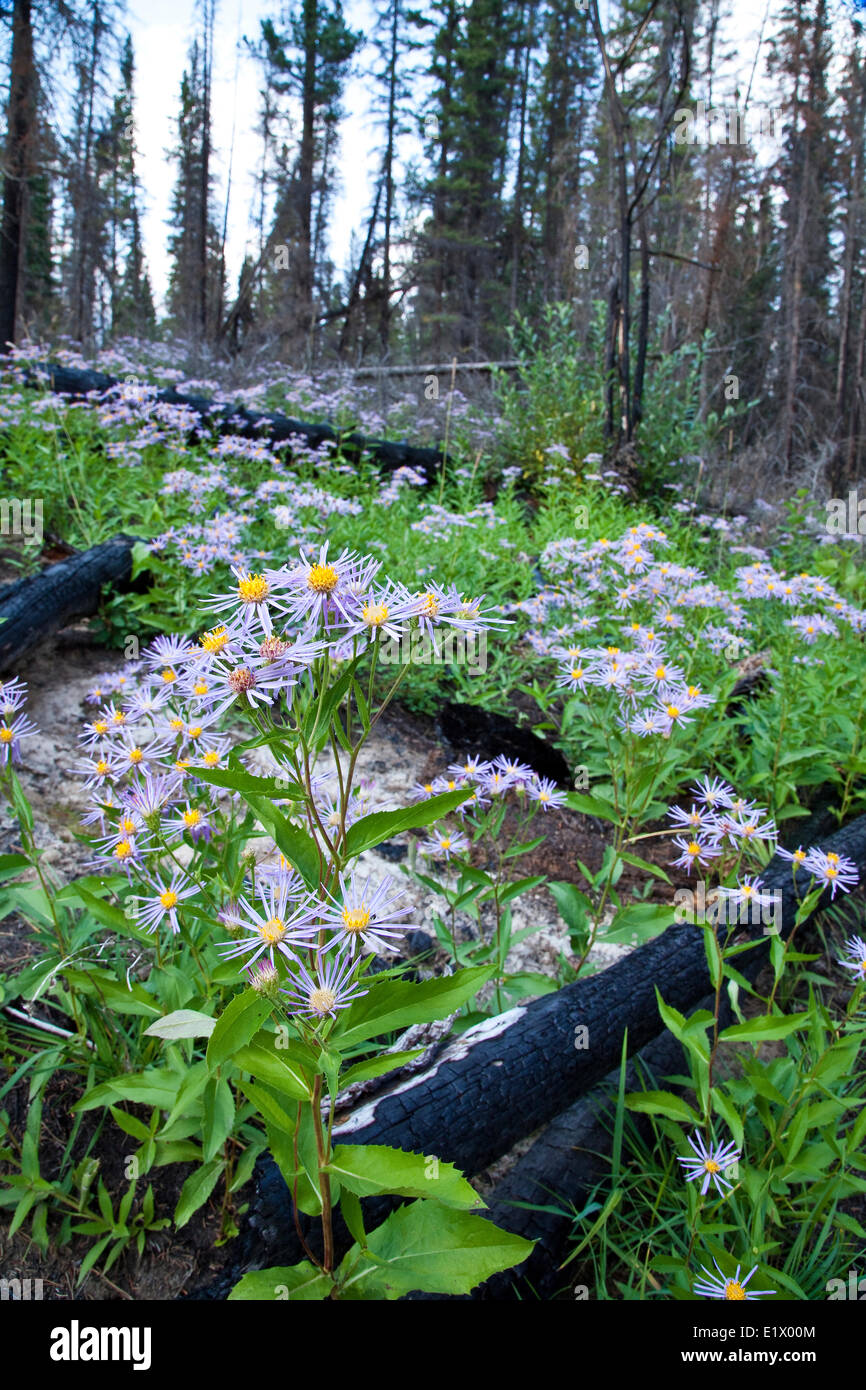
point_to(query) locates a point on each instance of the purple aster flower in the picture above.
(365, 916)
(332, 987)
(722, 1287)
(856, 961)
(545, 792)
(832, 870)
(444, 845)
(11, 733)
(713, 792)
(162, 901)
(281, 925)
(710, 1163)
(694, 851)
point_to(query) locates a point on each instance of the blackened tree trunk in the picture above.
(16, 169)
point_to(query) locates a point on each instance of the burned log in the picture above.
(508, 1076)
(565, 1165)
(389, 455)
(35, 608)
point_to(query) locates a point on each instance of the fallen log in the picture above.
(508, 1076)
(565, 1165)
(251, 424)
(35, 608)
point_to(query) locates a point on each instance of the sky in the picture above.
(162, 31)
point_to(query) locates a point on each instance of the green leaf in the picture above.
(378, 1066)
(574, 906)
(662, 1103)
(158, 1087)
(641, 920)
(395, 1004)
(111, 993)
(130, 1125)
(381, 825)
(591, 806)
(276, 1068)
(196, 1190)
(236, 1025)
(432, 1248)
(297, 846)
(725, 1108)
(183, 1023)
(273, 788)
(366, 1169)
(765, 1029)
(301, 1283)
(644, 864)
(219, 1115)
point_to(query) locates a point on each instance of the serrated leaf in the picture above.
(367, 1169)
(395, 1004)
(196, 1191)
(300, 1283)
(429, 1247)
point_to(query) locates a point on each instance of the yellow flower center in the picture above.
(673, 711)
(169, 675)
(273, 930)
(322, 579)
(6, 735)
(168, 899)
(322, 1000)
(99, 726)
(430, 606)
(712, 1166)
(101, 766)
(577, 673)
(253, 589)
(661, 672)
(127, 825)
(694, 848)
(123, 850)
(356, 919)
(195, 731)
(211, 759)
(191, 817)
(215, 640)
(135, 755)
(734, 1290)
(375, 614)
(118, 717)
(200, 687)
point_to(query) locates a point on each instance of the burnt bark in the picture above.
(33, 609)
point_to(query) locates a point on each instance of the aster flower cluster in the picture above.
(719, 822)
(489, 781)
(15, 725)
(157, 725)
